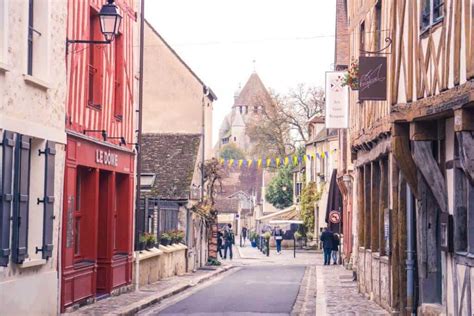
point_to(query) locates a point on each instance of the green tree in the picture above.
(231, 151)
(309, 196)
(280, 188)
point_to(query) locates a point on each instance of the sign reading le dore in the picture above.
(334, 217)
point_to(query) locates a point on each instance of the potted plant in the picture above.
(253, 239)
(151, 242)
(178, 236)
(310, 236)
(142, 241)
(165, 239)
(351, 77)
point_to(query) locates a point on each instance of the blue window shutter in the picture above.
(48, 220)
(6, 195)
(21, 199)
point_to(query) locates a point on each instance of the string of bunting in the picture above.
(275, 162)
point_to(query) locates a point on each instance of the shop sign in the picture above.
(106, 158)
(372, 78)
(337, 100)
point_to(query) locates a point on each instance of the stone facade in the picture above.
(32, 104)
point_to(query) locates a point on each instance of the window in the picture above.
(95, 62)
(432, 12)
(119, 75)
(29, 179)
(3, 30)
(378, 25)
(37, 37)
(362, 36)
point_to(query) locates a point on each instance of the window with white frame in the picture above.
(3, 31)
(432, 11)
(37, 38)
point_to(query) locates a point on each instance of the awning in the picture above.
(334, 203)
(276, 214)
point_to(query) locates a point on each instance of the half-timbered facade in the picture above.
(432, 116)
(413, 155)
(99, 175)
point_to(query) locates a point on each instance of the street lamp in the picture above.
(110, 21)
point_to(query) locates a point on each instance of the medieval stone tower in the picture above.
(249, 103)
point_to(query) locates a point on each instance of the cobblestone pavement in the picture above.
(130, 303)
(337, 294)
(305, 304)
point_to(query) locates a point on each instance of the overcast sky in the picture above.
(291, 41)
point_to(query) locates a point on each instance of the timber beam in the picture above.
(466, 152)
(424, 160)
(464, 120)
(402, 154)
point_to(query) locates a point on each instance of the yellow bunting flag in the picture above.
(259, 162)
(286, 161)
(240, 162)
(249, 162)
(268, 162)
(305, 158)
(277, 161)
(295, 160)
(221, 161)
(323, 155)
(231, 162)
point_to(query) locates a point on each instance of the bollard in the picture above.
(294, 247)
(268, 246)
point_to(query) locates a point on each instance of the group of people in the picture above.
(225, 240)
(330, 243)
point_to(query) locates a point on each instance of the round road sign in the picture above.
(334, 217)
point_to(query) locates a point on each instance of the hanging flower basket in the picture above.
(351, 77)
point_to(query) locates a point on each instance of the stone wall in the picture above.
(159, 263)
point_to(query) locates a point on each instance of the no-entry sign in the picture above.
(334, 217)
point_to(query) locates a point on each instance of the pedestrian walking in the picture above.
(228, 241)
(219, 242)
(278, 235)
(327, 240)
(335, 248)
(244, 234)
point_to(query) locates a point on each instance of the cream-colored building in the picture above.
(32, 112)
(321, 161)
(177, 137)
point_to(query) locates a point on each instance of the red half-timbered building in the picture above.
(98, 194)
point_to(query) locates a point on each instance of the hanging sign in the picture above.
(337, 101)
(372, 78)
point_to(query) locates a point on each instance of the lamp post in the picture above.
(110, 21)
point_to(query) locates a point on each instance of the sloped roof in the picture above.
(172, 158)
(253, 92)
(226, 205)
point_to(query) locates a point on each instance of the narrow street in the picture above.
(251, 290)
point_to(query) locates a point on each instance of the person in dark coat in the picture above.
(327, 239)
(335, 247)
(219, 242)
(228, 240)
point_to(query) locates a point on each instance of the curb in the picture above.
(320, 292)
(134, 308)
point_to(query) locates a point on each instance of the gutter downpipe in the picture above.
(205, 93)
(138, 223)
(410, 253)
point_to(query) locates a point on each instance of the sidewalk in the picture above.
(337, 294)
(131, 303)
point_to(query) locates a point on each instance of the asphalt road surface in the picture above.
(253, 290)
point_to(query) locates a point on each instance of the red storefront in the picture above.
(97, 220)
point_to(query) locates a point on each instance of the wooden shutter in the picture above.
(48, 220)
(6, 195)
(21, 199)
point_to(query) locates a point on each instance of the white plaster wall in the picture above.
(34, 106)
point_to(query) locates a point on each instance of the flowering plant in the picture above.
(351, 77)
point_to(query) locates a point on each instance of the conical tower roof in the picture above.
(253, 93)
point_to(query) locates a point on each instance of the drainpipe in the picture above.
(138, 223)
(410, 253)
(205, 93)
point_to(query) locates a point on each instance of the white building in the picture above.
(32, 136)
